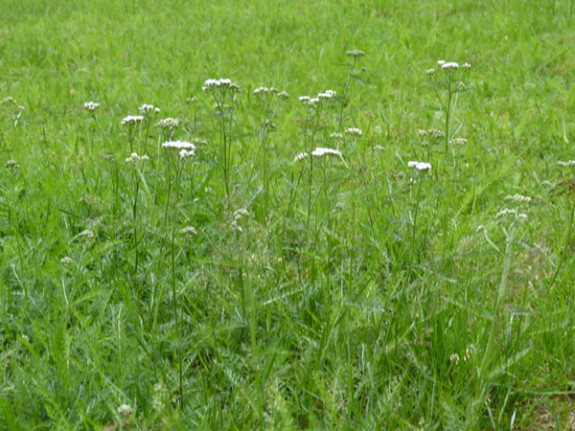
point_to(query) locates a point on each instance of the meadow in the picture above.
(287, 215)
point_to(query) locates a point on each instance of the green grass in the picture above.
(328, 293)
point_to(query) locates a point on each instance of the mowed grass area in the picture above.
(240, 288)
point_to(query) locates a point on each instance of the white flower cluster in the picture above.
(320, 151)
(450, 66)
(506, 212)
(178, 145)
(569, 163)
(327, 94)
(355, 53)
(135, 158)
(518, 199)
(458, 141)
(222, 84)
(184, 154)
(353, 131)
(189, 230)
(264, 90)
(311, 101)
(168, 123)
(301, 156)
(336, 135)
(125, 410)
(186, 149)
(420, 166)
(148, 109)
(132, 119)
(91, 106)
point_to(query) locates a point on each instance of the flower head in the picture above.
(185, 154)
(132, 119)
(336, 135)
(319, 152)
(91, 106)
(222, 84)
(353, 131)
(135, 158)
(420, 166)
(178, 145)
(327, 94)
(301, 156)
(189, 230)
(168, 123)
(452, 66)
(125, 410)
(355, 53)
(148, 109)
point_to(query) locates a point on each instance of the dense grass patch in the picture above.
(265, 282)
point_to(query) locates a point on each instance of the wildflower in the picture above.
(223, 84)
(12, 164)
(430, 71)
(8, 99)
(336, 135)
(304, 99)
(319, 152)
(355, 53)
(135, 158)
(314, 100)
(161, 396)
(168, 123)
(452, 66)
(199, 141)
(189, 230)
(132, 119)
(440, 62)
(436, 134)
(353, 131)
(328, 94)
(420, 166)
(283, 95)
(125, 410)
(184, 154)
(178, 145)
(519, 199)
(300, 156)
(91, 106)
(88, 233)
(466, 66)
(148, 109)
(569, 163)
(460, 86)
(458, 141)
(66, 260)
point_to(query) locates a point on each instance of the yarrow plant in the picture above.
(224, 90)
(451, 84)
(271, 100)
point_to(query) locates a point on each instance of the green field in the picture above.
(296, 268)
